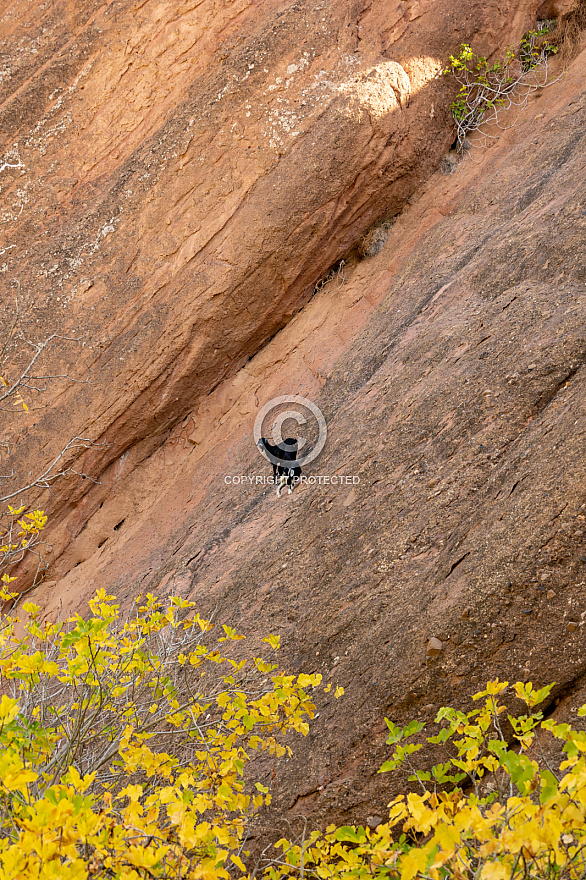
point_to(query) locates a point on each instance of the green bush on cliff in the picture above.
(487, 88)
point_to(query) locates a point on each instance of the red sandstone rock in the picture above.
(186, 173)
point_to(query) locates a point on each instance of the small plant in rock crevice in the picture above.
(374, 240)
(336, 274)
(570, 29)
(486, 89)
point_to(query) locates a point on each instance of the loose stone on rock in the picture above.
(434, 648)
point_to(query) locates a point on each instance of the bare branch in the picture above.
(48, 477)
(20, 359)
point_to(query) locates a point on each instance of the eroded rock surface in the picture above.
(450, 367)
(176, 178)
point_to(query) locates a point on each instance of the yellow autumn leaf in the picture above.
(238, 862)
(413, 863)
(146, 857)
(8, 708)
(495, 871)
(133, 792)
(305, 680)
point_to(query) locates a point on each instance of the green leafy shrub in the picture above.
(487, 88)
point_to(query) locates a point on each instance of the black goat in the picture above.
(287, 473)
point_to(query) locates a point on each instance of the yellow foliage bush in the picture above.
(20, 533)
(124, 744)
(125, 741)
(492, 810)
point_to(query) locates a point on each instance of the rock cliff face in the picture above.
(176, 182)
(176, 178)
